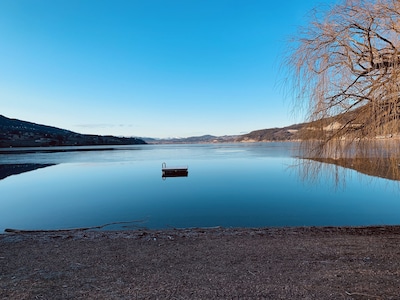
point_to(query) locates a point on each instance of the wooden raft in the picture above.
(174, 171)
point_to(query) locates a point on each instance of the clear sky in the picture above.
(149, 68)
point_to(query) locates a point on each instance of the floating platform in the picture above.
(174, 171)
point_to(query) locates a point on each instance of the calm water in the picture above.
(250, 185)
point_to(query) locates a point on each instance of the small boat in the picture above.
(173, 171)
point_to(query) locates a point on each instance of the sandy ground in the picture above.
(217, 263)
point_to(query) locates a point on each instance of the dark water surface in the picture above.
(231, 185)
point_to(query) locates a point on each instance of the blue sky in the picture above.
(150, 68)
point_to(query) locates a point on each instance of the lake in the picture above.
(230, 185)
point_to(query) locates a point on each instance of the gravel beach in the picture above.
(213, 263)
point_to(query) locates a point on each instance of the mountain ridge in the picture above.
(288, 133)
(18, 133)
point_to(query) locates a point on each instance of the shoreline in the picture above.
(203, 263)
(98, 231)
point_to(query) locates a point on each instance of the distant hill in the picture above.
(288, 133)
(17, 133)
(193, 140)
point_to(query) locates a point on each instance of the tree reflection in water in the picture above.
(378, 158)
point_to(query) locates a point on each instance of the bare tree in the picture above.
(345, 67)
